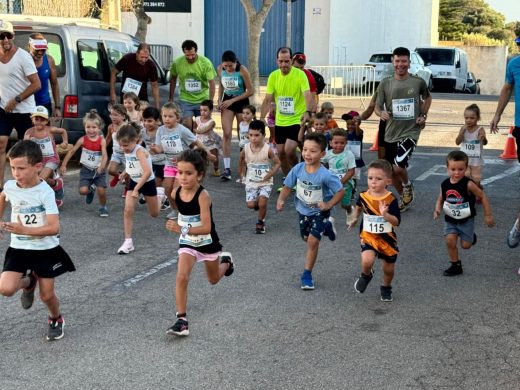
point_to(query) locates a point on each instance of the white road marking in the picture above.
(507, 172)
(432, 172)
(143, 275)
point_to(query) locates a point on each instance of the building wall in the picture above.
(491, 72)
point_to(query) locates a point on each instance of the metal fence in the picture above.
(347, 81)
(163, 54)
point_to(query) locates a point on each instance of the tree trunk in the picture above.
(143, 20)
(255, 22)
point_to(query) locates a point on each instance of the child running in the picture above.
(328, 109)
(198, 240)
(248, 114)
(318, 124)
(471, 139)
(131, 103)
(381, 214)
(457, 200)
(171, 139)
(262, 164)
(138, 167)
(317, 191)
(341, 162)
(34, 229)
(205, 134)
(355, 140)
(93, 160)
(119, 117)
(43, 135)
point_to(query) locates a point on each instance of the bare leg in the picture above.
(184, 267)
(48, 296)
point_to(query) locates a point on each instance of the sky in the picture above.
(509, 8)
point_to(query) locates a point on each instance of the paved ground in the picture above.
(257, 329)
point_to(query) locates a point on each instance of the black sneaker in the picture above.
(226, 176)
(56, 326)
(260, 227)
(27, 297)
(386, 294)
(90, 196)
(225, 257)
(454, 270)
(362, 282)
(180, 328)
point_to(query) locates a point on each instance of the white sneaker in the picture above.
(126, 248)
(351, 216)
(513, 238)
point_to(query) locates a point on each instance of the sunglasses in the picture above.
(6, 35)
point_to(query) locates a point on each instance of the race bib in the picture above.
(131, 85)
(257, 172)
(376, 224)
(195, 240)
(403, 109)
(46, 147)
(31, 217)
(457, 211)
(339, 173)
(309, 194)
(355, 148)
(230, 83)
(244, 138)
(286, 105)
(133, 167)
(172, 144)
(471, 148)
(192, 85)
(90, 159)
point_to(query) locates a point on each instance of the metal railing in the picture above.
(347, 81)
(163, 54)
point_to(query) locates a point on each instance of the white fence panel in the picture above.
(347, 81)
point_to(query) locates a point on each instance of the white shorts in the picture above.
(253, 193)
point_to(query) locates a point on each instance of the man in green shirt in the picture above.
(288, 88)
(196, 76)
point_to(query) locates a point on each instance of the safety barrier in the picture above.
(347, 81)
(163, 55)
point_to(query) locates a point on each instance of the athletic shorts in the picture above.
(236, 107)
(253, 193)
(464, 230)
(148, 189)
(118, 158)
(389, 259)
(398, 153)
(88, 176)
(347, 197)
(158, 170)
(169, 171)
(283, 133)
(199, 256)
(314, 224)
(516, 134)
(47, 263)
(20, 122)
(51, 164)
(189, 110)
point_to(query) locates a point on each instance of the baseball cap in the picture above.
(349, 115)
(40, 111)
(38, 44)
(6, 26)
(300, 57)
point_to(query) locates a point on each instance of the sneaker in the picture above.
(27, 297)
(402, 206)
(226, 176)
(454, 270)
(114, 181)
(306, 281)
(103, 212)
(165, 205)
(55, 331)
(351, 216)
(90, 196)
(142, 199)
(260, 227)
(330, 229)
(126, 248)
(408, 195)
(172, 215)
(513, 238)
(362, 282)
(180, 328)
(386, 294)
(216, 172)
(225, 257)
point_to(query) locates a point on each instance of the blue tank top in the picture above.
(42, 96)
(233, 83)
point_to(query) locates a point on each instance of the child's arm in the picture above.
(355, 218)
(200, 145)
(142, 156)
(303, 130)
(51, 228)
(286, 191)
(477, 191)
(482, 136)
(172, 224)
(242, 164)
(109, 134)
(28, 134)
(460, 136)
(104, 156)
(69, 154)
(2, 204)
(359, 131)
(61, 132)
(385, 212)
(276, 165)
(349, 175)
(438, 206)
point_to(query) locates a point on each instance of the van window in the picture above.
(437, 56)
(115, 51)
(90, 60)
(55, 48)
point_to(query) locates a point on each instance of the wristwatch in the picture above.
(423, 115)
(185, 230)
(18, 99)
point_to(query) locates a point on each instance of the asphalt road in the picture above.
(257, 329)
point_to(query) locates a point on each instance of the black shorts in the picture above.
(236, 107)
(20, 122)
(382, 256)
(47, 263)
(516, 134)
(398, 153)
(148, 189)
(158, 170)
(283, 133)
(381, 134)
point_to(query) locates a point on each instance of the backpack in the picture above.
(320, 81)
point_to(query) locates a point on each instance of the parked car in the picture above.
(472, 84)
(382, 62)
(449, 66)
(84, 58)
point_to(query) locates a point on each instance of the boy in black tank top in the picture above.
(457, 200)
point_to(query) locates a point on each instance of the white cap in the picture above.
(40, 111)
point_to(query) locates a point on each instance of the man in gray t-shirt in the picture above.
(403, 101)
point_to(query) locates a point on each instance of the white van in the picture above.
(449, 66)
